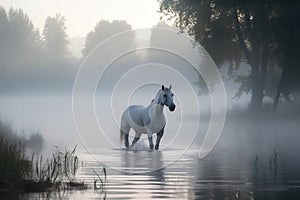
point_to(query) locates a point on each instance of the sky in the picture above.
(82, 15)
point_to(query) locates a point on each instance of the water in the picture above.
(239, 167)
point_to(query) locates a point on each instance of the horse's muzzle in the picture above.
(172, 107)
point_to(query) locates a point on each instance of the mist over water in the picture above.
(72, 101)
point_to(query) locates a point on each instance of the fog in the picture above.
(235, 129)
(43, 92)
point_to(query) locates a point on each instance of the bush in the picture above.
(14, 166)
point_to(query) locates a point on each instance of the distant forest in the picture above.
(263, 35)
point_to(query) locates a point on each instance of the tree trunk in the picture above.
(258, 79)
(279, 88)
(257, 59)
(254, 104)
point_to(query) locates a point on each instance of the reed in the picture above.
(59, 171)
(18, 172)
(100, 182)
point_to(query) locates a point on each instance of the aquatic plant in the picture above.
(60, 170)
(100, 182)
(273, 162)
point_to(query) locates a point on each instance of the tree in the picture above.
(157, 36)
(237, 31)
(55, 37)
(286, 51)
(24, 63)
(20, 40)
(3, 35)
(36, 142)
(103, 30)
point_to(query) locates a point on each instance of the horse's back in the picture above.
(134, 115)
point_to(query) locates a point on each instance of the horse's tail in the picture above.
(124, 129)
(121, 135)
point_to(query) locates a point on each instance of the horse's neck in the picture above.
(156, 102)
(157, 99)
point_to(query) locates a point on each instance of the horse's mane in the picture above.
(156, 96)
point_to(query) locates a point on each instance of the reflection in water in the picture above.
(225, 174)
(137, 162)
(237, 168)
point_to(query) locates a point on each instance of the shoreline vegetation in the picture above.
(21, 172)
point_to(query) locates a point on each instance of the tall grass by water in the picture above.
(15, 168)
(18, 172)
(34, 173)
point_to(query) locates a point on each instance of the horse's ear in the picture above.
(163, 87)
(170, 87)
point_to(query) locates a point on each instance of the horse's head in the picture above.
(167, 97)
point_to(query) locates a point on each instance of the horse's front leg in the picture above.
(150, 140)
(159, 136)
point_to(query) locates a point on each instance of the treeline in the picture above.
(263, 34)
(31, 59)
(36, 60)
(19, 37)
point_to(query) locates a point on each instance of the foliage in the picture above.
(8, 133)
(105, 29)
(55, 37)
(211, 25)
(100, 182)
(20, 173)
(18, 37)
(255, 32)
(14, 166)
(28, 60)
(63, 164)
(35, 142)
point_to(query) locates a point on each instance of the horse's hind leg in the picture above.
(159, 136)
(125, 128)
(134, 141)
(136, 138)
(126, 140)
(125, 135)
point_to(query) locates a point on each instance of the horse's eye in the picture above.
(172, 94)
(165, 95)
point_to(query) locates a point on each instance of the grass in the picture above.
(56, 172)
(15, 168)
(100, 182)
(19, 173)
(23, 173)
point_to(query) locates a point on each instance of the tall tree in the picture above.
(20, 40)
(236, 31)
(3, 35)
(55, 37)
(157, 36)
(286, 50)
(105, 29)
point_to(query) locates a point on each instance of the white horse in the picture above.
(147, 120)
